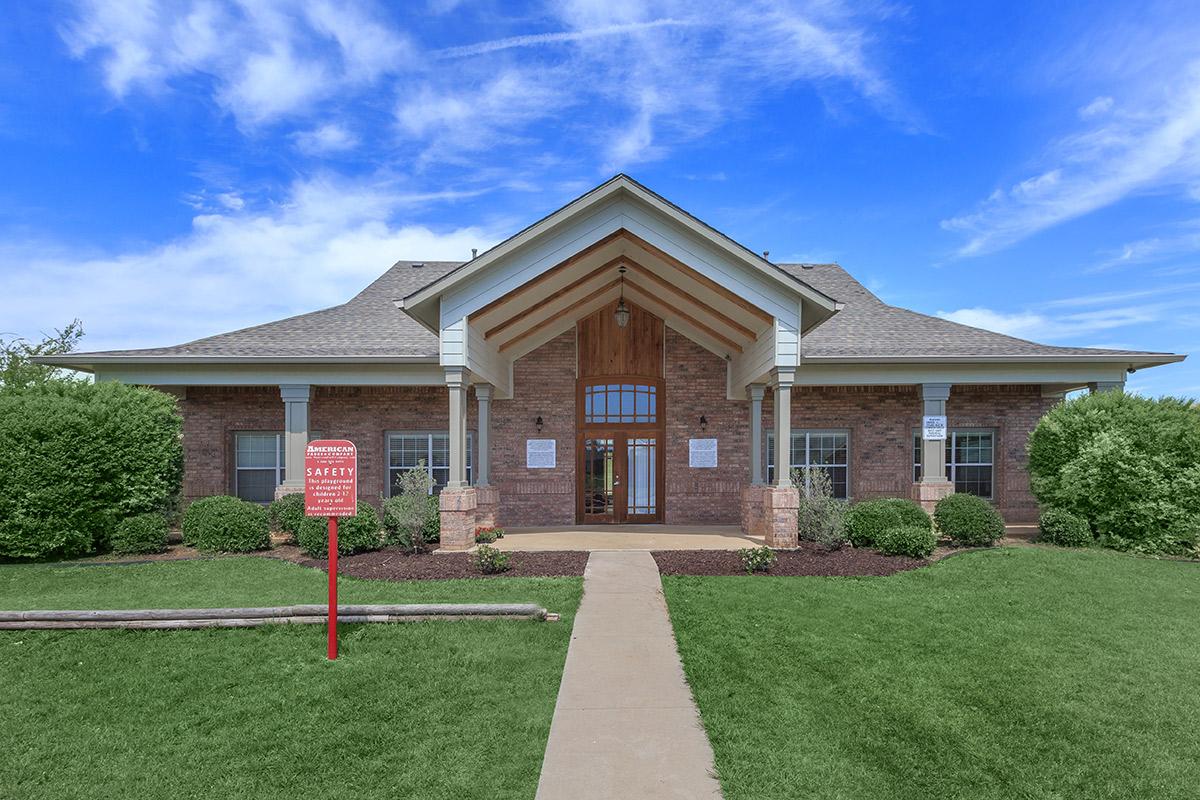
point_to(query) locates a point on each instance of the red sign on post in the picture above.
(331, 490)
(330, 478)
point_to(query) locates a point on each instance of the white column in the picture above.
(456, 381)
(755, 392)
(933, 453)
(295, 431)
(1106, 386)
(483, 392)
(782, 384)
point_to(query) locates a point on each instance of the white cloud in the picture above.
(265, 63)
(1101, 105)
(1149, 147)
(325, 139)
(325, 241)
(662, 72)
(1098, 313)
(1183, 240)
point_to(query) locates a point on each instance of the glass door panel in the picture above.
(641, 490)
(599, 472)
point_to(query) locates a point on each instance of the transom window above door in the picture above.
(630, 403)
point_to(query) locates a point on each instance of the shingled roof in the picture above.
(370, 326)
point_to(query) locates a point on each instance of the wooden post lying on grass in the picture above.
(177, 618)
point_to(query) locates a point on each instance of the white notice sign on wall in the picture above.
(540, 454)
(934, 429)
(702, 453)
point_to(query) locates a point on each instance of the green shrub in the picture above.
(433, 521)
(1064, 529)
(287, 513)
(916, 541)
(411, 511)
(757, 559)
(1128, 465)
(144, 533)
(821, 517)
(969, 520)
(864, 521)
(356, 534)
(489, 560)
(76, 458)
(226, 524)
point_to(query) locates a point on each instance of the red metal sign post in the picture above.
(331, 490)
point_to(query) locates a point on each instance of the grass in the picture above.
(1013, 673)
(431, 710)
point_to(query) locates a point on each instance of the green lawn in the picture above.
(431, 710)
(1013, 673)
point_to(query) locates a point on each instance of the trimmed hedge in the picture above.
(287, 513)
(1128, 465)
(78, 457)
(866, 520)
(145, 533)
(226, 524)
(969, 520)
(915, 541)
(356, 534)
(1064, 529)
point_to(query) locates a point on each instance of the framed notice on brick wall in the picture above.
(702, 453)
(540, 454)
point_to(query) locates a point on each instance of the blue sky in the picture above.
(176, 169)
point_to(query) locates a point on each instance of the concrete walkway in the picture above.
(625, 725)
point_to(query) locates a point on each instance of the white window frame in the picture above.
(429, 439)
(769, 452)
(279, 458)
(952, 464)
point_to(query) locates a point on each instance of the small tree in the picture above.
(821, 516)
(17, 370)
(406, 512)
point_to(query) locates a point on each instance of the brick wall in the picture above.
(694, 386)
(880, 419)
(362, 414)
(544, 386)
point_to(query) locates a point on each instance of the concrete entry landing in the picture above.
(628, 537)
(625, 725)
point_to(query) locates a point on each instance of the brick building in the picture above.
(619, 361)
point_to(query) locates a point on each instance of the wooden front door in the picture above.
(620, 476)
(620, 471)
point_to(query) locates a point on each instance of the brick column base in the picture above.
(487, 506)
(928, 493)
(457, 508)
(283, 489)
(781, 509)
(753, 520)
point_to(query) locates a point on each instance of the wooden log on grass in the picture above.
(171, 618)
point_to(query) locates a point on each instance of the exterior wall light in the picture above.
(538, 424)
(621, 315)
(703, 422)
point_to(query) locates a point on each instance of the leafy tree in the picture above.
(17, 369)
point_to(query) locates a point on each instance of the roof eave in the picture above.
(88, 363)
(1137, 360)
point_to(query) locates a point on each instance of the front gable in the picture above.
(619, 239)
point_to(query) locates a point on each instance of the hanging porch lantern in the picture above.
(621, 315)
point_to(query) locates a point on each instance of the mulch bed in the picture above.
(809, 559)
(393, 565)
